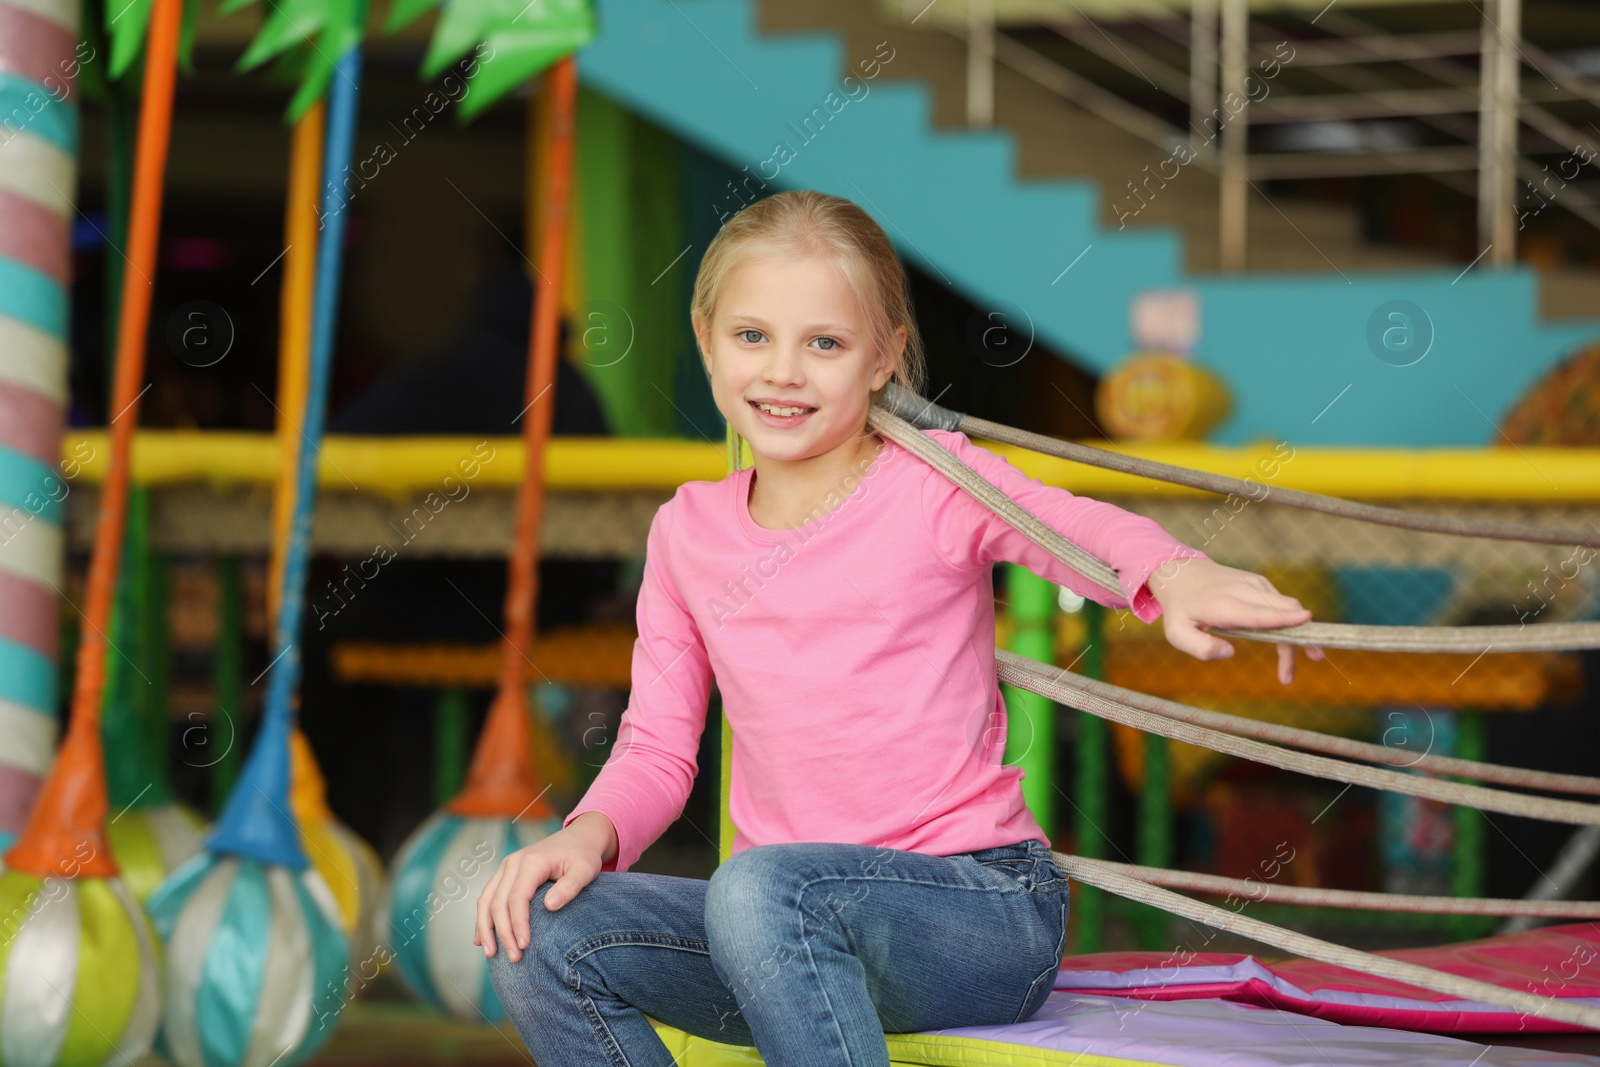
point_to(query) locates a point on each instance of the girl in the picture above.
(886, 875)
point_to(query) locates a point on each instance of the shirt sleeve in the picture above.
(645, 782)
(972, 537)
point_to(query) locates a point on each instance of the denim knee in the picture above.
(550, 935)
(753, 888)
(743, 926)
(761, 906)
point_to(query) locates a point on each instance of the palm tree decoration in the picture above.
(518, 40)
(127, 26)
(351, 868)
(258, 945)
(313, 35)
(502, 804)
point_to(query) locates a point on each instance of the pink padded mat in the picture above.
(1553, 961)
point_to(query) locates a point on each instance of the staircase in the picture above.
(1299, 236)
(1050, 134)
(1022, 219)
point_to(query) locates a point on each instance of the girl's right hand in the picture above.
(572, 856)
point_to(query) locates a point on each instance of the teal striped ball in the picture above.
(432, 907)
(256, 961)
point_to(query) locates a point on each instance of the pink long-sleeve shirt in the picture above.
(855, 656)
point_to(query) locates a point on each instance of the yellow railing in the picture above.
(398, 465)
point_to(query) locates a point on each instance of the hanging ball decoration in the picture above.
(432, 907)
(150, 843)
(80, 972)
(255, 962)
(255, 951)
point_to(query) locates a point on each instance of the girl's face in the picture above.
(788, 337)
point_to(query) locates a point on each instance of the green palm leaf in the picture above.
(128, 23)
(515, 40)
(318, 32)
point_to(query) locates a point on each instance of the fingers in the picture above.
(500, 905)
(1264, 595)
(1184, 635)
(567, 886)
(1274, 610)
(533, 874)
(504, 906)
(1286, 660)
(1264, 613)
(483, 932)
(1232, 599)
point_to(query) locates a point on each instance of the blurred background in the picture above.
(1349, 246)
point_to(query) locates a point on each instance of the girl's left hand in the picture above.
(1196, 594)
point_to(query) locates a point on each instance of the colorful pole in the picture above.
(72, 806)
(257, 821)
(502, 805)
(1088, 904)
(36, 48)
(501, 778)
(1031, 734)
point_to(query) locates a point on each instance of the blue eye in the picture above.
(832, 343)
(741, 334)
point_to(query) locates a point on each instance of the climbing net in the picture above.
(899, 414)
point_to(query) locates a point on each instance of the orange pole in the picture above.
(501, 778)
(294, 341)
(63, 835)
(307, 794)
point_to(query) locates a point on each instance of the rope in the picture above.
(1113, 878)
(1474, 796)
(1544, 637)
(1311, 739)
(927, 415)
(1541, 637)
(1098, 873)
(1570, 863)
(1259, 892)
(947, 463)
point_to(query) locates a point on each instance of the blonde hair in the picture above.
(801, 222)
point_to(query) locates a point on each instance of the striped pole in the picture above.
(71, 805)
(38, 174)
(80, 984)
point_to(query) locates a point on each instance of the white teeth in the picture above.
(781, 411)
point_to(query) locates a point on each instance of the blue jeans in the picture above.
(809, 951)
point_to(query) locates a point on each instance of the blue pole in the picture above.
(258, 820)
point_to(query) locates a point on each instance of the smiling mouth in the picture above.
(781, 411)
